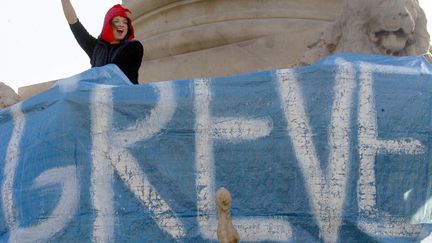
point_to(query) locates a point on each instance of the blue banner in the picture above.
(338, 151)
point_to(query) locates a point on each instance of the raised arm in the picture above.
(69, 12)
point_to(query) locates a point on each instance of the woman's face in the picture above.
(120, 28)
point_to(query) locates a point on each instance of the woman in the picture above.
(115, 44)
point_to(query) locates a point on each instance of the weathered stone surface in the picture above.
(30, 90)
(8, 96)
(189, 39)
(388, 27)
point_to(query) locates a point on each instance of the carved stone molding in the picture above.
(196, 38)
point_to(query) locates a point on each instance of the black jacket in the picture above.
(127, 55)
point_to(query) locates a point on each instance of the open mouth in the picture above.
(390, 42)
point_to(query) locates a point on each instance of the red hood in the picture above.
(116, 10)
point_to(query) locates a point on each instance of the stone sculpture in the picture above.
(226, 232)
(388, 27)
(8, 96)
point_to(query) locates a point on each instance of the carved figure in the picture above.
(226, 232)
(8, 96)
(389, 27)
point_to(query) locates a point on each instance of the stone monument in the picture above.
(190, 39)
(8, 96)
(387, 27)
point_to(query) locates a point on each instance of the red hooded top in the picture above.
(116, 10)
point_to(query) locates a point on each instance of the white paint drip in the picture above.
(388, 69)
(11, 164)
(369, 146)
(327, 191)
(339, 143)
(68, 85)
(260, 229)
(235, 129)
(388, 226)
(205, 177)
(102, 192)
(407, 194)
(65, 177)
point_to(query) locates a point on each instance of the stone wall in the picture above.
(201, 38)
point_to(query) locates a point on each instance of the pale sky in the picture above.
(38, 45)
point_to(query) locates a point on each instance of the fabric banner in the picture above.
(338, 151)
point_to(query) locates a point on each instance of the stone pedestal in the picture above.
(203, 38)
(31, 90)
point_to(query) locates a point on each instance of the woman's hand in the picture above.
(69, 12)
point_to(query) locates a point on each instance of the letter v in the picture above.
(327, 191)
